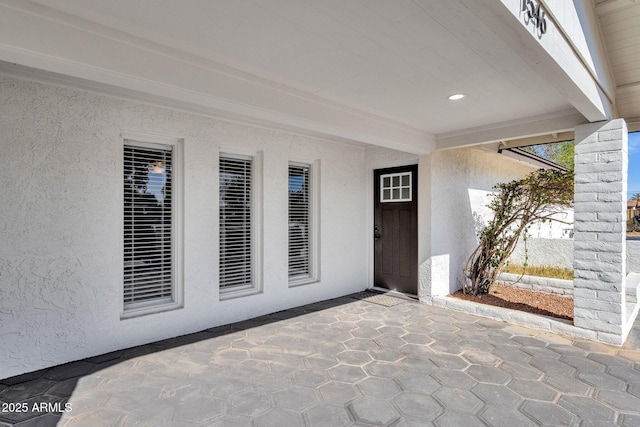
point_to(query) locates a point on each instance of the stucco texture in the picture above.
(559, 253)
(461, 185)
(61, 221)
(544, 253)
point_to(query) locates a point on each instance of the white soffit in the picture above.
(620, 24)
(366, 70)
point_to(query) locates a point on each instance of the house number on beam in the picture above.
(533, 14)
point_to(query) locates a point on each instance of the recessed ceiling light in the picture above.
(456, 96)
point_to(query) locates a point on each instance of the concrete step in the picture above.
(632, 287)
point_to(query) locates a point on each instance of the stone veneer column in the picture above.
(600, 229)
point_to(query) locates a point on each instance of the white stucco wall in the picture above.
(61, 223)
(559, 253)
(544, 253)
(380, 157)
(461, 184)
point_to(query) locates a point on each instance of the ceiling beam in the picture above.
(540, 139)
(540, 129)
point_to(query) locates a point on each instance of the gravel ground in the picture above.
(524, 300)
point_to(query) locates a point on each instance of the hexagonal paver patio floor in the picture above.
(341, 362)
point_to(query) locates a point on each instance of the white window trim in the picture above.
(177, 235)
(256, 227)
(314, 221)
(391, 176)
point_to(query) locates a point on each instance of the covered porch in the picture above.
(222, 103)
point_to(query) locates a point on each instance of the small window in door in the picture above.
(395, 187)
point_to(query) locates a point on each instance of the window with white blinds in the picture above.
(299, 221)
(148, 225)
(236, 243)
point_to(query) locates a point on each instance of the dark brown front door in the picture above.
(396, 228)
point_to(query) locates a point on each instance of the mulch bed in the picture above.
(524, 300)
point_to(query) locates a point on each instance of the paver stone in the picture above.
(586, 408)
(379, 387)
(376, 411)
(418, 405)
(325, 415)
(547, 413)
(458, 400)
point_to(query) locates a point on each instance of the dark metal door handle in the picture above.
(376, 232)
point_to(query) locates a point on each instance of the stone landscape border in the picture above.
(546, 285)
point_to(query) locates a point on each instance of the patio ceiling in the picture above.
(619, 20)
(321, 65)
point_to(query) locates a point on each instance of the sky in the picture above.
(633, 183)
